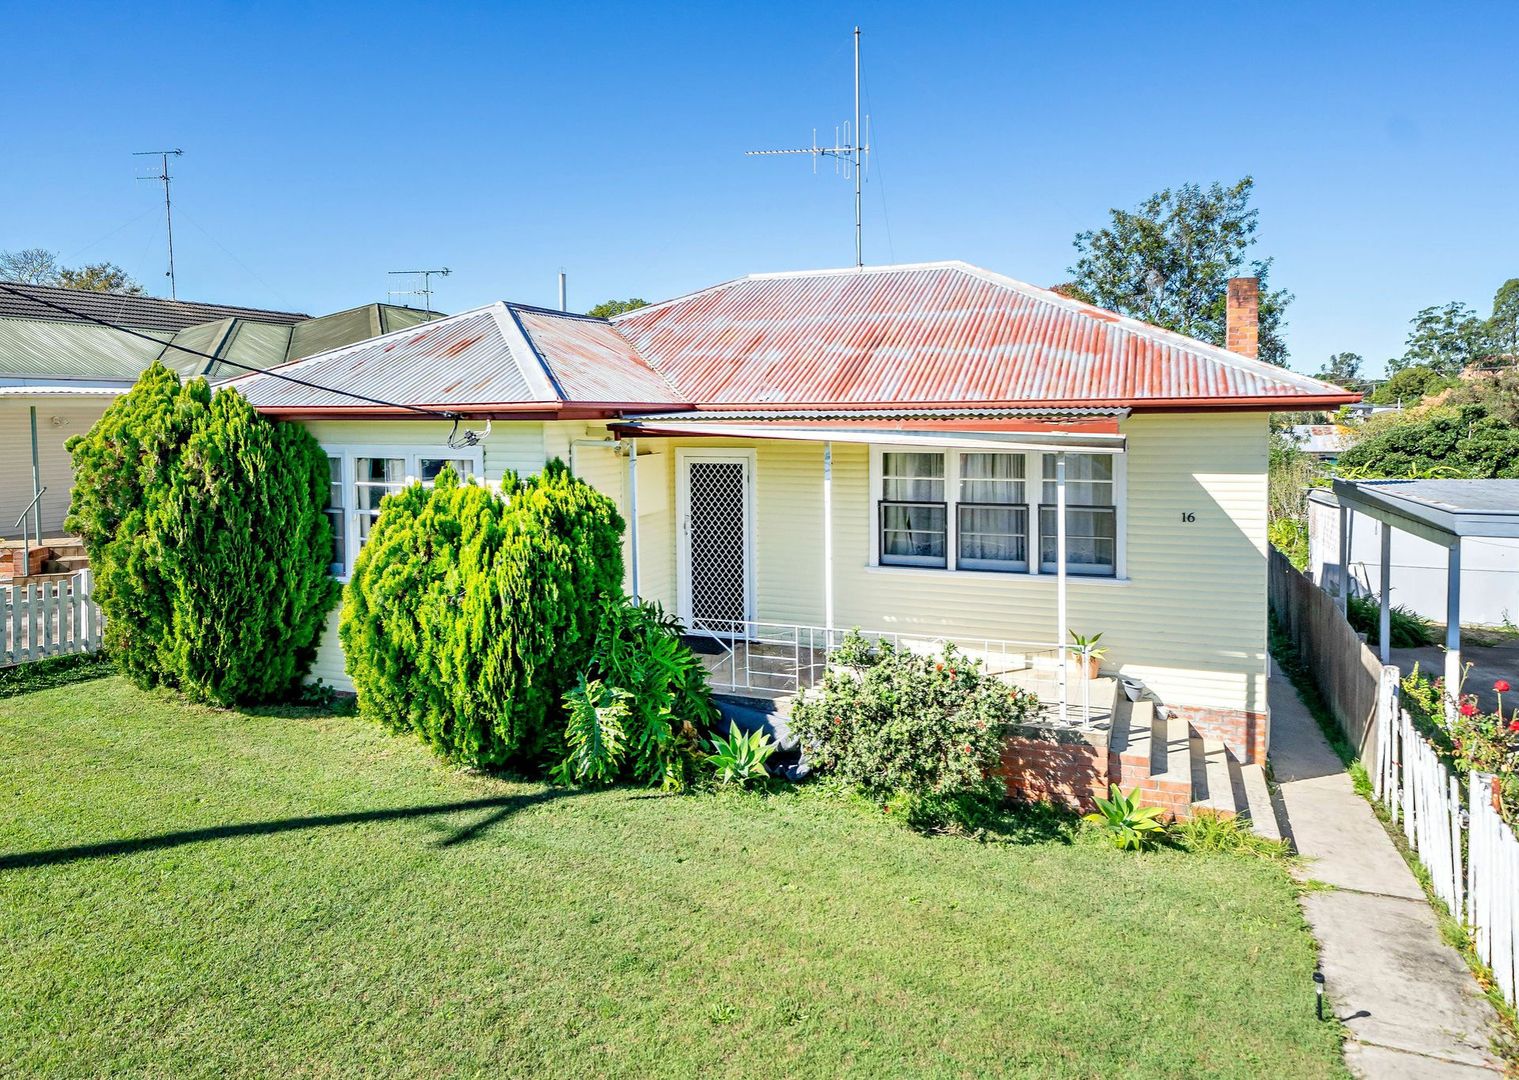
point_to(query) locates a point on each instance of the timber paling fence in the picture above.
(1451, 822)
(48, 618)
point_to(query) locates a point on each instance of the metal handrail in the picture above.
(26, 548)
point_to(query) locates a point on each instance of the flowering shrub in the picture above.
(889, 721)
(1473, 740)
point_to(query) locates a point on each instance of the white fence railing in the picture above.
(1471, 853)
(48, 618)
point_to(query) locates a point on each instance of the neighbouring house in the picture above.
(1323, 441)
(889, 448)
(59, 371)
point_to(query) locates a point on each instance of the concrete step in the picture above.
(1130, 746)
(65, 564)
(1258, 805)
(1212, 782)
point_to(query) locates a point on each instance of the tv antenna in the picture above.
(850, 153)
(164, 178)
(425, 292)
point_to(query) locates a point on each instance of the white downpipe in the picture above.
(1384, 628)
(1060, 612)
(1344, 596)
(1452, 629)
(633, 516)
(828, 542)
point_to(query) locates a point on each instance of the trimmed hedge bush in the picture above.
(470, 615)
(204, 525)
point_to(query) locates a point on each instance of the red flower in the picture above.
(1501, 686)
(938, 667)
(1468, 709)
(967, 748)
(1513, 725)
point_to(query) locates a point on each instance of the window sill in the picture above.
(939, 572)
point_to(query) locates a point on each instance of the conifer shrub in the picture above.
(204, 526)
(470, 615)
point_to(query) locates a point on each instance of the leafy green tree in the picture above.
(1503, 325)
(607, 308)
(1410, 385)
(99, 277)
(1445, 339)
(29, 266)
(1168, 262)
(204, 525)
(1342, 369)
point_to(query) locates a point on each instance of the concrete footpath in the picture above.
(1410, 1003)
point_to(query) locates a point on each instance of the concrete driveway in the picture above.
(1489, 664)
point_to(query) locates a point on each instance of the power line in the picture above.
(439, 413)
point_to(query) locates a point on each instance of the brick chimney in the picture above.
(1242, 324)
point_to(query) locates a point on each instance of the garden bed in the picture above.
(191, 891)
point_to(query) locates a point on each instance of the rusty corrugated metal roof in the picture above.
(499, 355)
(589, 360)
(934, 333)
(463, 359)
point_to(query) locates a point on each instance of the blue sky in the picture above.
(325, 147)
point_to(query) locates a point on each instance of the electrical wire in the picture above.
(438, 413)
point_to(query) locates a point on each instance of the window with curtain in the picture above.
(914, 514)
(991, 523)
(337, 516)
(429, 468)
(375, 478)
(1091, 517)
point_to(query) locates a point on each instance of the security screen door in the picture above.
(717, 549)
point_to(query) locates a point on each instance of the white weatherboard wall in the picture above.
(57, 422)
(1489, 568)
(1189, 619)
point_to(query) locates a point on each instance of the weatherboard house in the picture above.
(928, 452)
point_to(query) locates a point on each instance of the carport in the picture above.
(1444, 512)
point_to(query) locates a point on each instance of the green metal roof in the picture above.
(40, 349)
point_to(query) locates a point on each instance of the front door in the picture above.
(714, 540)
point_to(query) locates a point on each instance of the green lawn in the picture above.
(192, 892)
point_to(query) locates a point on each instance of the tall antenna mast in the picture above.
(164, 178)
(852, 151)
(425, 292)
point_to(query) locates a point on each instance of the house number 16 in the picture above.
(1188, 517)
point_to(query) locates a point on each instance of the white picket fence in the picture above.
(48, 618)
(1471, 853)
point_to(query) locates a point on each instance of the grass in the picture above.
(192, 892)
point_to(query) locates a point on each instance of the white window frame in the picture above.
(1033, 471)
(412, 455)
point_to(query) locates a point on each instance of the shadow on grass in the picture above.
(503, 807)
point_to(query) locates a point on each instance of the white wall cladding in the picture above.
(1189, 620)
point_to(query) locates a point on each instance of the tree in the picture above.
(205, 528)
(1444, 339)
(38, 266)
(1342, 369)
(607, 308)
(1449, 441)
(29, 266)
(104, 277)
(1169, 261)
(1410, 385)
(1503, 325)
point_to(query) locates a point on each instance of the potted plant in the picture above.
(1088, 655)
